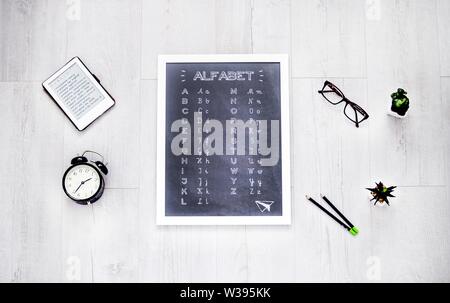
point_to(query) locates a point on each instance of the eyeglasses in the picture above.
(352, 111)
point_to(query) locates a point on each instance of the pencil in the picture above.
(337, 211)
(328, 213)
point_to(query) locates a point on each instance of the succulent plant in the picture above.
(381, 193)
(400, 103)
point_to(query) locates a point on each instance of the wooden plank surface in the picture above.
(443, 9)
(328, 38)
(34, 39)
(175, 27)
(406, 150)
(367, 48)
(32, 149)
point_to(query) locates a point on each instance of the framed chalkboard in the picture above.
(223, 153)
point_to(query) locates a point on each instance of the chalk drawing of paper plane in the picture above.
(264, 205)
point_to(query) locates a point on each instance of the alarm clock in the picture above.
(83, 181)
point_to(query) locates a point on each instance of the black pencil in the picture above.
(328, 213)
(337, 211)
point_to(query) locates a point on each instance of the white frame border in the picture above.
(285, 218)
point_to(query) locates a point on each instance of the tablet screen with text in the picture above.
(78, 93)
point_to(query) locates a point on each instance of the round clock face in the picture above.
(82, 182)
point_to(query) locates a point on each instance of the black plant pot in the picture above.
(400, 103)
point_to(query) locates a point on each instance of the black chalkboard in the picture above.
(223, 142)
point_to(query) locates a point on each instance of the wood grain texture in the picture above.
(445, 104)
(109, 32)
(175, 27)
(116, 237)
(328, 38)
(32, 218)
(330, 157)
(271, 26)
(367, 48)
(33, 39)
(408, 256)
(408, 150)
(443, 11)
(233, 28)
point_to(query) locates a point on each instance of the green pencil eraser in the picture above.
(354, 231)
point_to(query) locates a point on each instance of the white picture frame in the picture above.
(285, 217)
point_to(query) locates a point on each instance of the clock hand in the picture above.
(82, 182)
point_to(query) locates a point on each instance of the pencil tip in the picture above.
(307, 197)
(321, 195)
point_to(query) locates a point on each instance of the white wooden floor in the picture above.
(368, 48)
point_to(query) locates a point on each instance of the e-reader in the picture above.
(78, 93)
(223, 154)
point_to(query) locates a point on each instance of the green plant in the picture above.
(400, 103)
(381, 193)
